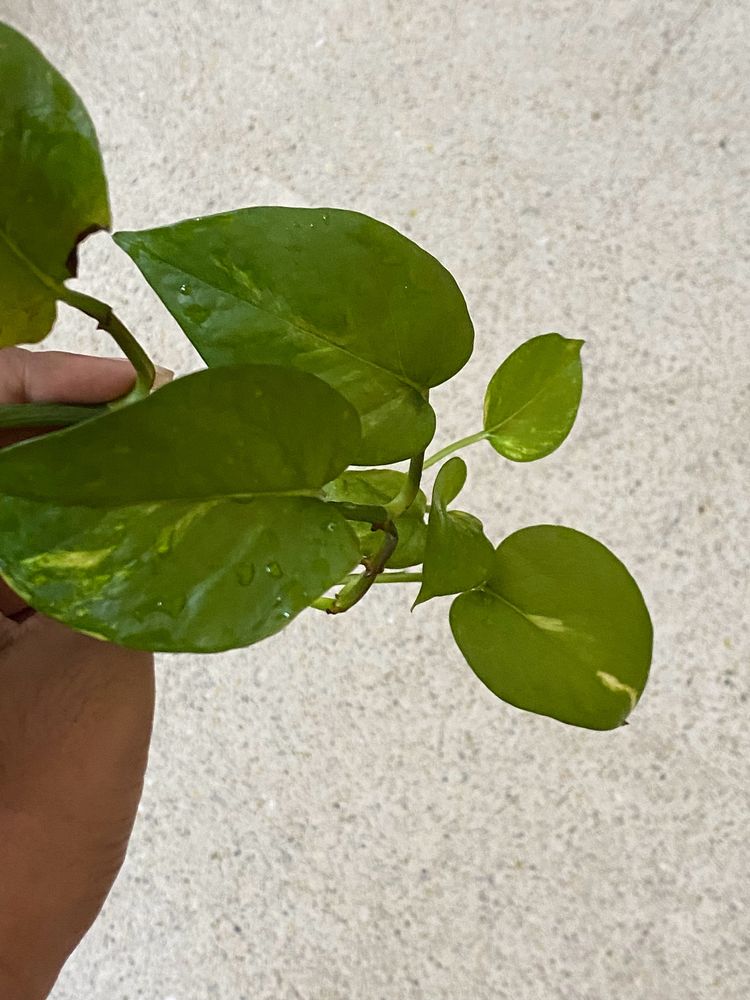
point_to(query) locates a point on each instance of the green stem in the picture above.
(124, 339)
(355, 589)
(356, 585)
(450, 448)
(327, 603)
(46, 414)
(392, 577)
(395, 577)
(408, 493)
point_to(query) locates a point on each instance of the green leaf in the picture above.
(458, 555)
(52, 187)
(190, 521)
(380, 486)
(324, 290)
(532, 399)
(560, 628)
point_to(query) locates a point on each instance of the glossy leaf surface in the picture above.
(532, 399)
(380, 486)
(189, 521)
(458, 555)
(327, 291)
(560, 628)
(52, 187)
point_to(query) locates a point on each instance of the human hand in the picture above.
(75, 726)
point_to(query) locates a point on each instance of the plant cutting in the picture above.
(210, 513)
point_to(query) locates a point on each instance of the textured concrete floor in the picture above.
(344, 812)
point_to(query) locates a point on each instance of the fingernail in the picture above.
(163, 375)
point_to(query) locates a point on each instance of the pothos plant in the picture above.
(207, 515)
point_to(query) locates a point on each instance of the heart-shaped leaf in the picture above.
(560, 628)
(532, 399)
(192, 520)
(327, 291)
(379, 487)
(53, 191)
(458, 555)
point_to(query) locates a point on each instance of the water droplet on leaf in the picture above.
(245, 575)
(273, 569)
(197, 313)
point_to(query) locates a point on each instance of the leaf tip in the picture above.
(419, 599)
(124, 238)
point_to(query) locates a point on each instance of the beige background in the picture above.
(344, 812)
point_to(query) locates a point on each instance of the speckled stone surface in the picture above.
(344, 812)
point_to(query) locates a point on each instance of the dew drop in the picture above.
(184, 288)
(286, 614)
(245, 575)
(331, 526)
(197, 313)
(273, 569)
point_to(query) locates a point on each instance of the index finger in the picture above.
(59, 377)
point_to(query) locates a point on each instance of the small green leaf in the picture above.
(190, 521)
(327, 291)
(532, 399)
(380, 486)
(560, 628)
(52, 187)
(458, 555)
